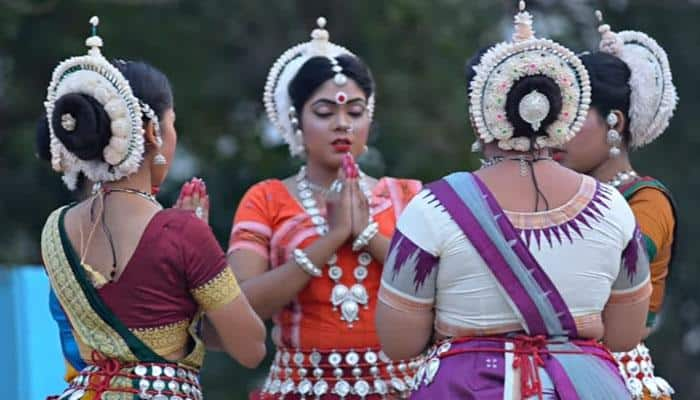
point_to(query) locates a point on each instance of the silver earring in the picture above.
(614, 138)
(294, 121)
(160, 160)
(477, 146)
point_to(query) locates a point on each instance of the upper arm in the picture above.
(408, 287)
(624, 315)
(215, 289)
(655, 217)
(210, 281)
(409, 277)
(656, 220)
(249, 244)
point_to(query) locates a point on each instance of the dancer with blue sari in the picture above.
(130, 281)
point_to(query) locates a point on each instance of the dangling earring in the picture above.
(614, 138)
(159, 158)
(298, 134)
(477, 146)
(365, 149)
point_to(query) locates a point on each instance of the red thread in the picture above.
(526, 347)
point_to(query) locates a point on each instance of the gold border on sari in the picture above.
(90, 327)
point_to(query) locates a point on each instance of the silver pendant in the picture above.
(342, 388)
(380, 387)
(339, 294)
(287, 386)
(370, 357)
(275, 386)
(350, 311)
(420, 375)
(431, 370)
(159, 385)
(361, 388)
(398, 384)
(140, 370)
(352, 358)
(359, 293)
(320, 388)
(305, 387)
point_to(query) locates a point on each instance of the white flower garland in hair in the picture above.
(94, 76)
(276, 94)
(506, 63)
(654, 97)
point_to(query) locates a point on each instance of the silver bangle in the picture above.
(365, 237)
(303, 261)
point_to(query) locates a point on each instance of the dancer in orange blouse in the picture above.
(309, 249)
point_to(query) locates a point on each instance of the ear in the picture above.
(150, 133)
(621, 120)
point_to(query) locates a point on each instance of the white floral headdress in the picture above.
(654, 97)
(276, 95)
(95, 76)
(508, 62)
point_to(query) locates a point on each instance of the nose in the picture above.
(344, 123)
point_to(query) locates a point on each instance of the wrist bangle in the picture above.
(365, 237)
(303, 261)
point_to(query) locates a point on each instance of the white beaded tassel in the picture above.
(94, 42)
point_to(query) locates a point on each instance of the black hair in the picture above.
(92, 129)
(609, 83)
(473, 61)
(317, 70)
(521, 88)
(43, 140)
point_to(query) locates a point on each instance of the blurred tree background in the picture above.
(217, 54)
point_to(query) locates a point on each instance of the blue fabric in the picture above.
(592, 377)
(68, 343)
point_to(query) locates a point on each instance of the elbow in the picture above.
(398, 354)
(622, 342)
(619, 345)
(255, 355)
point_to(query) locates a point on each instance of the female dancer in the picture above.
(491, 265)
(633, 101)
(309, 250)
(132, 280)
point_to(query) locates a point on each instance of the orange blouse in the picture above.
(272, 223)
(656, 220)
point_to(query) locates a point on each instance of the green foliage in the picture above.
(217, 53)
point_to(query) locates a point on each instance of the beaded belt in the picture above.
(154, 381)
(343, 373)
(638, 370)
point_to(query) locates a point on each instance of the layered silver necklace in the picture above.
(622, 177)
(345, 299)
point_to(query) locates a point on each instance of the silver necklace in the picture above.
(345, 299)
(139, 193)
(523, 161)
(623, 177)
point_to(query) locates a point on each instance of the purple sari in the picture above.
(552, 362)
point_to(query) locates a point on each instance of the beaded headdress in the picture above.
(276, 99)
(654, 98)
(505, 64)
(95, 76)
